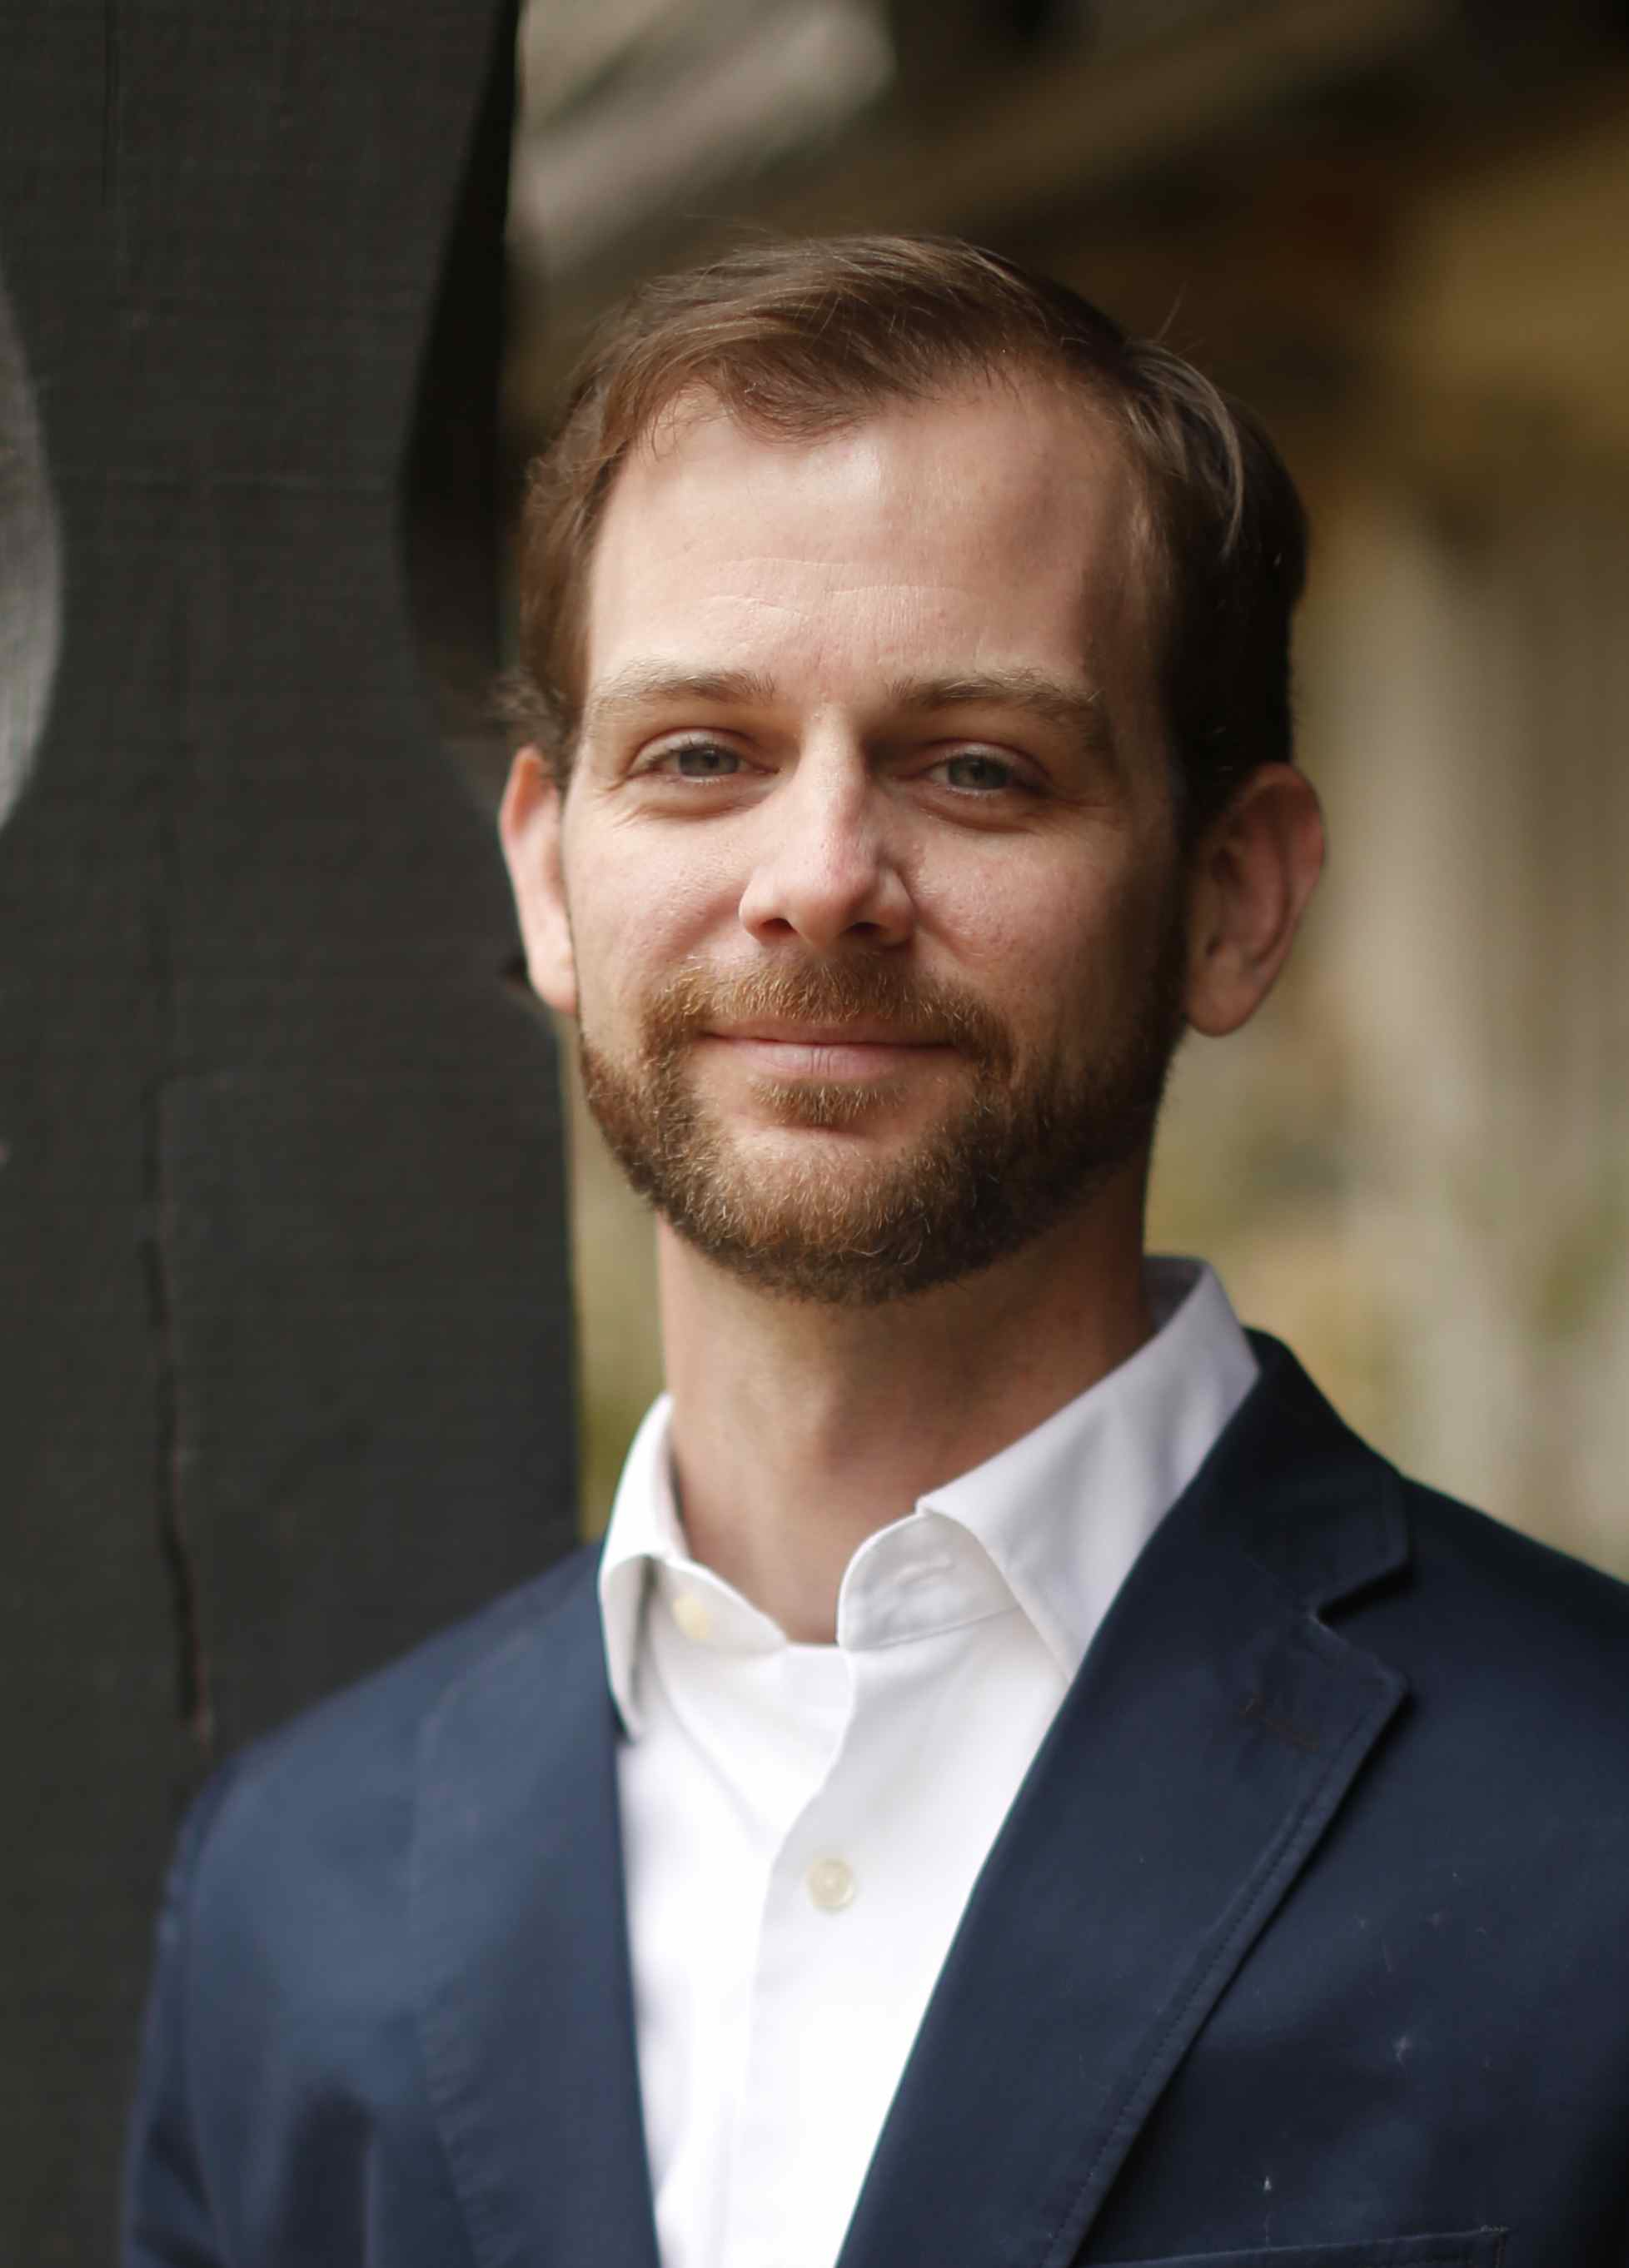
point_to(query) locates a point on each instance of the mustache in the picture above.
(925, 1010)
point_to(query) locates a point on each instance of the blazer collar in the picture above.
(526, 2004)
(1292, 1486)
(1198, 1759)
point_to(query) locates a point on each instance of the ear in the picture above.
(528, 827)
(1249, 879)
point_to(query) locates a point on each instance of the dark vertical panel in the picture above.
(285, 1336)
(451, 481)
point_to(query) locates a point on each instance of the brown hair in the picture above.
(797, 339)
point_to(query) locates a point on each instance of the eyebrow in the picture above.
(1077, 709)
(643, 683)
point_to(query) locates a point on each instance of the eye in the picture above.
(977, 771)
(697, 760)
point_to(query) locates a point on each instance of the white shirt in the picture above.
(804, 1824)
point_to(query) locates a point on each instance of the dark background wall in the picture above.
(286, 1341)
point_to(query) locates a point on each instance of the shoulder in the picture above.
(1515, 1655)
(1338, 1522)
(1517, 1659)
(286, 1969)
(1509, 1572)
(342, 1774)
(1499, 1597)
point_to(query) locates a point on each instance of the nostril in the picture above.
(820, 899)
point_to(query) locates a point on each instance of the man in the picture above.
(1022, 1784)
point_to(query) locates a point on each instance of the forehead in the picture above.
(999, 527)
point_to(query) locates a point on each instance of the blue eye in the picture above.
(701, 759)
(976, 774)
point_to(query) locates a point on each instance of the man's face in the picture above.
(865, 889)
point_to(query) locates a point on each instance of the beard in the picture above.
(1017, 1152)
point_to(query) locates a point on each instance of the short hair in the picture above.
(796, 340)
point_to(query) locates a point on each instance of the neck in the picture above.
(798, 1430)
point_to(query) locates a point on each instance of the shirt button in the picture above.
(831, 1884)
(693, 1615)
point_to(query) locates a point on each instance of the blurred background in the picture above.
(1399, 228)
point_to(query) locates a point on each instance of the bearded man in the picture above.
(1021, 1784)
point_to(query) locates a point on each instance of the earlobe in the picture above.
(528, 827)
(1251, 878)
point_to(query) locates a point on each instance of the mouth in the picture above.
(856, 1051)
(855, 1031)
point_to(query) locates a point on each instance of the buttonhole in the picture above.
(1255, 1711)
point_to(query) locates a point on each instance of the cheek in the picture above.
(634, 919)
(1023, 923)
(1062, 952)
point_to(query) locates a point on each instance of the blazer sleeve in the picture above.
(165, 2217)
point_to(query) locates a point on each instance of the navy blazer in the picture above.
(1303, 1946)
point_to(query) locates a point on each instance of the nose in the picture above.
(825, 870)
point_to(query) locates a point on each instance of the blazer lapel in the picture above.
(525, 2007)
(1198, 1757)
